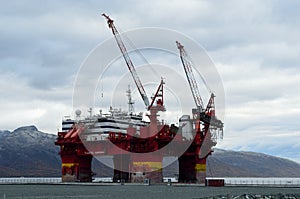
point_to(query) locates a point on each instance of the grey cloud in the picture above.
(254, 44)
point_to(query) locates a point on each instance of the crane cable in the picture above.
(138, 51)
(201, 76)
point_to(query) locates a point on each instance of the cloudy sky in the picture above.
(254, 44)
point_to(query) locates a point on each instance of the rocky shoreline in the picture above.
(256, 196)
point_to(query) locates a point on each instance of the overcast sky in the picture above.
(254, 44)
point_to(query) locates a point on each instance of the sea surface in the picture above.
(74, 191)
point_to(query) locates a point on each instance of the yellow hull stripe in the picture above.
(153, 165)
(200, 167)
(69, 164)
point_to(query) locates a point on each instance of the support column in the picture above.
(76, 168)
(200, 169)
(146, 167)
(121, 168)
(187, 172)
(192, 169)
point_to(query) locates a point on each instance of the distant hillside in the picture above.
(29, 152)
(250, 164)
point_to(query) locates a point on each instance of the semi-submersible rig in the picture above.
(138, 147)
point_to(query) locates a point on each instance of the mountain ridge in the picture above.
(28, 152)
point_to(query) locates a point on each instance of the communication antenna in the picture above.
(130, 101)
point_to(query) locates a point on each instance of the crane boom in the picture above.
(128, 61)
(206, 115)
(187, 65)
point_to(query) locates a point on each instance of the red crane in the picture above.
(128, 61)
(206, 115)
(187, 65)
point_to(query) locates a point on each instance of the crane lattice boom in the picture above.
(187, 65)
(206, 115)
(128, 61)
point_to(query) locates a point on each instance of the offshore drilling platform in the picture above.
(138, 147)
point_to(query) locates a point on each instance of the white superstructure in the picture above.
(98, 127)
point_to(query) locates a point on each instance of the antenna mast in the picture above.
(130, 102)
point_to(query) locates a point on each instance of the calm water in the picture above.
(131, 191)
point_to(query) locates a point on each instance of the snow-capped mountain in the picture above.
(27, 151)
